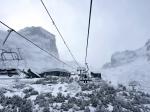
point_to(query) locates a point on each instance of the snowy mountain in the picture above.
(33, 57)
(128, 66)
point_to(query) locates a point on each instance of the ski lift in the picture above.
(9, 61)
(84, 75)
(9, 55)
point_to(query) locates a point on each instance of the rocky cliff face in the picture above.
(33, 57)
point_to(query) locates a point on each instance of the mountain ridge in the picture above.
(128, 66)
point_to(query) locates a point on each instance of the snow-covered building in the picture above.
(55, 72)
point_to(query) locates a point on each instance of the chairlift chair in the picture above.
(84, 75)
(9, 61)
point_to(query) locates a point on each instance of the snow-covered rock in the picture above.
(130, 66)
(33, 57)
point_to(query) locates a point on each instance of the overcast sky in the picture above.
(116, 25)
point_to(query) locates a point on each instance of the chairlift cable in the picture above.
(60, 34)
(88, 35)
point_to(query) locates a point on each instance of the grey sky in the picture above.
(116, 24)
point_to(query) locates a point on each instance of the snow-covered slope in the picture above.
(33, 56)
(130, 66)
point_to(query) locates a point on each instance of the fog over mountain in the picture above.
(127, 66)
(34, 58)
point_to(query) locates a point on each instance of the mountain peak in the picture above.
(130, 66)
(33, 30)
